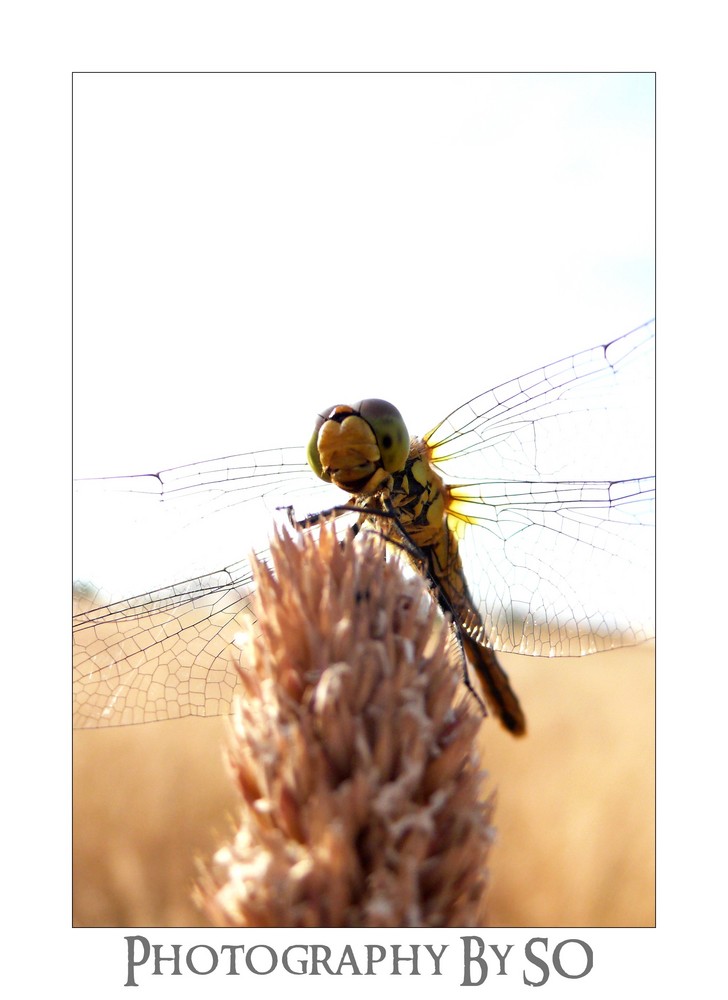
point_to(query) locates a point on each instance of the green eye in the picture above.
(389, 429)
(312, 452)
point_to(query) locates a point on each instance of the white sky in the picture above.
(251, 248)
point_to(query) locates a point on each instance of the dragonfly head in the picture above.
(358, 447)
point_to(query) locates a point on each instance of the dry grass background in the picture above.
(574, 811)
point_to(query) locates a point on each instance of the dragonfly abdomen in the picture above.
(420, 498)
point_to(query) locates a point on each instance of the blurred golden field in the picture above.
(574, 809)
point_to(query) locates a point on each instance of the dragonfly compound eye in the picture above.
(321, 462)
(389, 429)
(312, 451)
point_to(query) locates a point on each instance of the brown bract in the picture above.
(353, 749)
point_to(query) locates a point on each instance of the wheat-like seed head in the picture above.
(353, 750)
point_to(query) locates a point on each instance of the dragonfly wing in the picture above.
(559, 569)
(183, 522)
(588, 416)
(559, 563)
(165, 651)
(160, 655)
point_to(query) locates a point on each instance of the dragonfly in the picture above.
(524, 555)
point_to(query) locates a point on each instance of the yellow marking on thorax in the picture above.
(421, 498)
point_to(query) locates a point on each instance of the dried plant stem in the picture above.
(353, 749)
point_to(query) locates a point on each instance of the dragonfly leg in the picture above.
(365, 514)
(311, 520)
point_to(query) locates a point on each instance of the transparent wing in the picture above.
(559, 564)
(559, 569)
(186, 520)
(159, 655)
(164, 652)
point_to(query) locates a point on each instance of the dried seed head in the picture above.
(353, 749)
